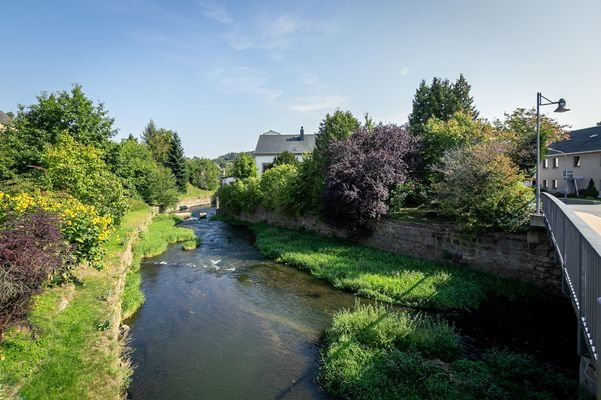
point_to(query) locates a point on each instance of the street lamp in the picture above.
(565, 170)
(561, 107)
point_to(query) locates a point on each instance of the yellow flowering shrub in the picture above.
(81, 224)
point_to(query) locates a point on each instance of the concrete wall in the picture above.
(590, 167)
(525, 256)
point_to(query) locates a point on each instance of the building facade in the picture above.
(570, 164)
(272, 143)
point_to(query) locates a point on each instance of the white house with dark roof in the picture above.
(579, 157)
(272, 143)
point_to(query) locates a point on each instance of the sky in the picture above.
(220, 73)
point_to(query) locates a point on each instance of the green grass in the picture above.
(190, 244)
(382, 275)
(192, 192)
(378, 353)
(154, 241)
(69, 354)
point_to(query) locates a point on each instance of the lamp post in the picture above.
(561, 107)
(565, 170)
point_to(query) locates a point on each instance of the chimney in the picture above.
(302, 133)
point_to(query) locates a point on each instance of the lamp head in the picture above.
(561, 106)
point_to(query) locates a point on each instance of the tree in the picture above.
(275, 184)
(440, 136)
(80, 171)
(362, 170)
(160, 188)
(176, 162)
(338, 126)
(158, 141)
(483, 189)
(203, 173)
(285, 157)
(54, 114)
(440, 99)
(461, 90)
(519, 130)
(244, 166)
(141, 174)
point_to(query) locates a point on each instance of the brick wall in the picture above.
(525, 256)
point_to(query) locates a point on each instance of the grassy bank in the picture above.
(192, 193)
(382, 275)
(70, 347)
(377, 353)
(154, 241)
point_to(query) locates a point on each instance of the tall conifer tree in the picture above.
(176, 162)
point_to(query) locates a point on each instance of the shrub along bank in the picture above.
(380, 354)
(69, 347)
(382, 275)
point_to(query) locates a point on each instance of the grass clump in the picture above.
(190, 244)
(378, 353)
(382, 275)
(161, 233)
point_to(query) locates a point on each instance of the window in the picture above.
(554, 183)
(546, 163)
(545, 183)
(555, 162)
(577, 161)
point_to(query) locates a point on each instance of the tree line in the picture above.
(65, 184)
(445, 159)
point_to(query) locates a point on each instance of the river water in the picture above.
(222, 322)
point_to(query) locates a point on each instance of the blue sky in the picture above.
(222, 72)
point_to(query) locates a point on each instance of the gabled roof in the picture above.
(581, 141)
(4, 118)
(271, 143)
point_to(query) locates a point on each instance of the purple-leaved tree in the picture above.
(362, 170)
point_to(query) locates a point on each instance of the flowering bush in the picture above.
(81, 224)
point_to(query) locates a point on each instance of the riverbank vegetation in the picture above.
(381, 275)
(67, 346)
(446, 159)
(66, 187)
(377, 353)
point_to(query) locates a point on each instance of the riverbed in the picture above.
(222, 322)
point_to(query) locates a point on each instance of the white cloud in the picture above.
(309, 79)
(243, 80)
(317, 103)
(215, 11)
(404, 71)
(238, 41)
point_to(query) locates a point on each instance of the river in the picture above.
(222, 322)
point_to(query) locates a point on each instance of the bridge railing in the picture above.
(579, 251)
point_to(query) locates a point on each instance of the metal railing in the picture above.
(578, 247)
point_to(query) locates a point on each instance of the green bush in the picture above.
(483, 190)
(275, 186)
(240, 195)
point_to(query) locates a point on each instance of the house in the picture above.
(4, 119)
(272, 143)
(578, 157)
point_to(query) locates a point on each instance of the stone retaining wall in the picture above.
(525, 256)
